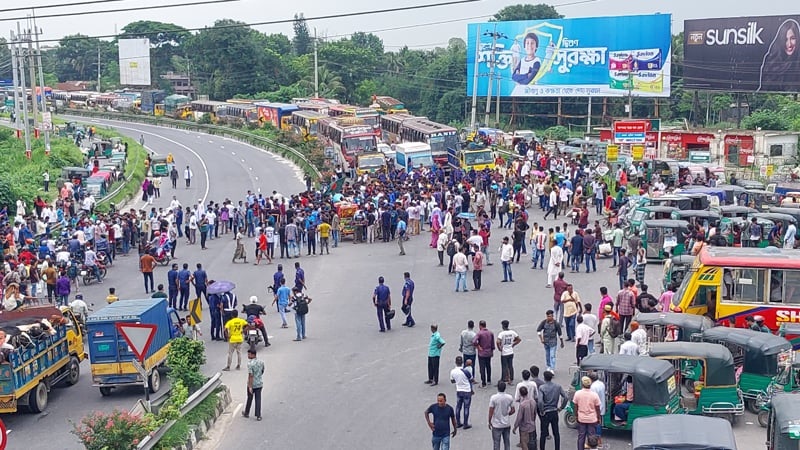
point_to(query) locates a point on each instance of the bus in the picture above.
(241, 112)
(388, 105)
(277, 114)
(391, 125)
(370, 116)
(439, 137)
(202, 107)
(730, 283)
(314, 106)
(347, 140)
(304, 124)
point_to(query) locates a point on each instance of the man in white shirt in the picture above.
(639, 337)
(506, 256)
(175, 204)
(187, 176)
(552, 205)
(475, 240)
(790, 236)
(591, 320)
(583, 334)
(628, 347)
(460, 266)
(501, 407)
(212, 219)
(529, 384)
(462, 378)
(506, 341)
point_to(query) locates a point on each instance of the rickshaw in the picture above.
(667, 170)
(783, 428)
(704, 217)
(726, 228)
(674, 327)
(660, 235)
(96, 185)
(708, 373)
(735, 211)
(759, 359)
(786, 382)
(159, 166)
(698, 200)
(346, 212)
(677, 270)
(655, 388)
(101, 149)
(75, 175)
(648, 212)
(732, 193)
(678, 432)
(790, 331)
(760, 199)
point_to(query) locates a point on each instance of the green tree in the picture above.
(302, 40)
(540, 11)
(76, 57)
(766, 120)
(330, 84)
(5, 60)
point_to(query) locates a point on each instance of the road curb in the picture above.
(199, 432)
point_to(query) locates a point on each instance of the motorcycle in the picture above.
(253, 337)
(87, 274)
(161, 254)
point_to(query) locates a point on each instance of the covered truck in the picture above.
(112, 358)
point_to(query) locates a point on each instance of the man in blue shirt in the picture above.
(408, 299)
(282, 299)
(172, 282)
(401, 235)
(184, 276)
(443, 417)
(215, 310)
(200, 280)
(276, 279)
(382, 299)
(299, 277)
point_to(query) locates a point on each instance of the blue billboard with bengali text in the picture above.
(584, 57)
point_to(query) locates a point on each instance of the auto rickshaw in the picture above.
(759, 357)
(786, 382)
(718, 192)
(726, 228)
(760, 199)
(790, 331)
(708, 373)
(674, 327)
(775, 217)
(654, 385)
(698, 200)
(783, 428)
(678, 432)
(751, 184)
(667, 170)
(96, 186)
(660, 235)
(677, 270)
(159, 166)
(75, 175)
(648, 212)
(794, 212)
(676, 201)
(735, 210)
(101, 148)
(703, 217)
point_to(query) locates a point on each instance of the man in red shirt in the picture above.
(262, 249)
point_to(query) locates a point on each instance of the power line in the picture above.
(283, 21)
(62, 5)
(106, 11)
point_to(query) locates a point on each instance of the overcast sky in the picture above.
(427, 29)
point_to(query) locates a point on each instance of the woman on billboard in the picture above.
(780, 70)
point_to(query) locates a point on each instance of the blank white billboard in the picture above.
(134, 62)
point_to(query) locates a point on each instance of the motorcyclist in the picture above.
(254, 324)
(253, 309)
(101, 245)
(91, 263)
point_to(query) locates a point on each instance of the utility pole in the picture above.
(589, 118)
(493, 34)
(98, 69)
(15, 76)
(23, 92)
(630, 93)
(316, 66)
(32, 72)
(47, 125)
(497, 106)
(476, 67)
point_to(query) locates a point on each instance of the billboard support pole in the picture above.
(475, 82)
(589, 118)
(630, 94)
(497, 106)
(491, 77)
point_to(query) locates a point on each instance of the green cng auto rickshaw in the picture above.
(675, 201)
(708, 373)
(760, 199)
(735, 211)
(678, 267)
(698, 200)
(664, 234)
(159, 166)
(787, 381)
(703, 217)
(679, 432)
(790, 331)
(775, 217)
(649, 212)
(674, 327)
(759, 358)
(727, 224)
(655, 390)
(783, 430)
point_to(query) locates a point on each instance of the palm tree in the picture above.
(330, 84)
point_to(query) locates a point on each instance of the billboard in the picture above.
(586, 57)
(743, 54)
(134, 62)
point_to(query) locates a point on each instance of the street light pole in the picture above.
(495, 35)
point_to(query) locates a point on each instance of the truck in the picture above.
(150, 98)
(112, 359)
(370, 162)
(38, 363)
(411, 155)
(471, 158)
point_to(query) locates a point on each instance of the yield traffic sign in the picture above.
(195, 311)
(139, 336)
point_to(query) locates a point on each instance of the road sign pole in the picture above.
(139, 366)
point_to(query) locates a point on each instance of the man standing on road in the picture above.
(549, 406)
(626, 306)
(401, 234)
(460, 266)
(506, 341)
(526, 417)
(599, 388)
(549, 331)
(382, 299)
(299, 277)
(187, 176)
(506, 256)
(146, 264)
(282, 295)
(501, 407)
(234, 332)
(434, 353)
(484, 344)
(215, 311)
(200, 281)
(183, 287)
(587, 406)
(300, 303)
(467, 348)
(255, 382)
(443, 417)
(477, 267)
(408, 299)
(462, 378)
(616, 242)
(173, 176)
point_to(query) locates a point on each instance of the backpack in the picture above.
(451, 249)
(301, 305)
(616, 327)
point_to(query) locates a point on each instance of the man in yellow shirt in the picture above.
(234, 332)
(324, 230)
(112, 296)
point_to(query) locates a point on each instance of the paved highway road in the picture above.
(347, 386)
